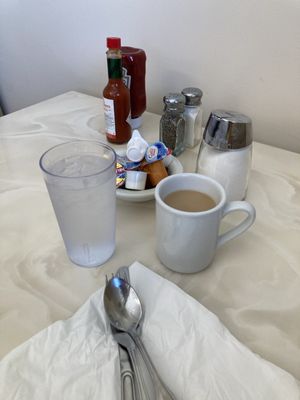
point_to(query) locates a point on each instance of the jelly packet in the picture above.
(121, 174)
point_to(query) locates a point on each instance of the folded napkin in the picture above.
(194, 353)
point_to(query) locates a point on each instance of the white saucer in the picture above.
(173, 165)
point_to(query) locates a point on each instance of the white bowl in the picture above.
(173, 165)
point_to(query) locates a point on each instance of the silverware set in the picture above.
(139, 377)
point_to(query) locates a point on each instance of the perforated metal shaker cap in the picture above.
(228, 130)
(192, 96)
(175, 100)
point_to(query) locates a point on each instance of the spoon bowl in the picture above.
(122, 305)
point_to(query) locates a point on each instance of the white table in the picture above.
(253, 285)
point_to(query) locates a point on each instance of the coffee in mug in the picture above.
(189, 210)
(189, 200)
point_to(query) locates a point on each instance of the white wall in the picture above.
(244, 55)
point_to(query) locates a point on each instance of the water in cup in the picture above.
(81, 186)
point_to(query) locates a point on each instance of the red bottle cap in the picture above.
(113, 42)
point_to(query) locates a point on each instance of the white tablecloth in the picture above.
(196, 356)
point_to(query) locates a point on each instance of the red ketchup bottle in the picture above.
(134, 71)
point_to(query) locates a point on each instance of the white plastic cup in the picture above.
(81, 180)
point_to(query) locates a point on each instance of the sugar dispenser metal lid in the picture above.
(228, 130)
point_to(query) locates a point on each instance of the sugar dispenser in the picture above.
(226, 150)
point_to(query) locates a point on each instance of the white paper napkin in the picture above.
(194, 353)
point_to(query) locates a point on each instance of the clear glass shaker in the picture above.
(226, 151)
(172, 123)
(193, 116)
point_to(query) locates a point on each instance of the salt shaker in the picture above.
(226, 150)
(172, 123)
(193, 116)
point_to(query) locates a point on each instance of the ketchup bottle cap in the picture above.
(113, 42)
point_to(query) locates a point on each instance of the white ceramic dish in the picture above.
(173, 165)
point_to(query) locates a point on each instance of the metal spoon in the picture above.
(136, 383)
(140, 383)
(124, 310)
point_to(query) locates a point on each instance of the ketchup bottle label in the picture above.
(109, 115)
(126, 78)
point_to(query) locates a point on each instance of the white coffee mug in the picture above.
(186, 241)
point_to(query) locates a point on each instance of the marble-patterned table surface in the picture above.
(253, 284)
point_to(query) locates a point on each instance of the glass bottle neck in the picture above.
(114, 64)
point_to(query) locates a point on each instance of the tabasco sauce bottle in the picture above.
(116, 96)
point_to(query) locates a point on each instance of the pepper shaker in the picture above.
(193, 116)
(172, 123)
(226, 151)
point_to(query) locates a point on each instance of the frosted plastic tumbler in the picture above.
(81, 181)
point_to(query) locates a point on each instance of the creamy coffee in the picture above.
(189, 200)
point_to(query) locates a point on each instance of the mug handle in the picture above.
(243, 226)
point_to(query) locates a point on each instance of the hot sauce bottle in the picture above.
(116, 96)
